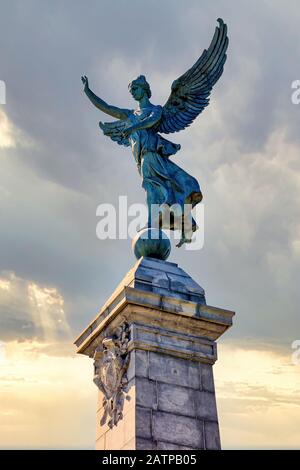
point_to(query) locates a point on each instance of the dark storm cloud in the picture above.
(54, 185)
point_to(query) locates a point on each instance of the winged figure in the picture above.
(165, 183)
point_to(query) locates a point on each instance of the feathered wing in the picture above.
(114, 130)
(190, 92)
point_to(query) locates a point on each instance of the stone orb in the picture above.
(153, 243)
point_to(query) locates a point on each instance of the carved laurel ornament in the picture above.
(111, 361)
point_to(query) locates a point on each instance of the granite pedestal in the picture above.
(154, 345)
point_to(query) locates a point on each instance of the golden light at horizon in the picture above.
(48, 399)
(7, 138)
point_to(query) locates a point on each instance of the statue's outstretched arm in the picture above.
(114, 111)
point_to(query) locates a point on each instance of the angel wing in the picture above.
(114, 130)
(190, 92)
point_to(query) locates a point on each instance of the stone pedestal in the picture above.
(154, 345)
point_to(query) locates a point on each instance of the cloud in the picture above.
(56, 167)
(28, 310)
(243, 149)
(10, 135)
(45, 403)
(6, 132)
(257, 396)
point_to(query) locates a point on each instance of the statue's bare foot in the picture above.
(183, 240)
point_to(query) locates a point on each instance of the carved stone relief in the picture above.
(110, 365)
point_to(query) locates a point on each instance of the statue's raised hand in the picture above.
(85, 81)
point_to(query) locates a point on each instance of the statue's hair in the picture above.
(142, 82)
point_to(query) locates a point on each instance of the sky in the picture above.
(56, 168)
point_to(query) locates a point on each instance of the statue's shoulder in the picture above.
(156, 108)
(150, 108)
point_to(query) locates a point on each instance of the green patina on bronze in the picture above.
(165, 182)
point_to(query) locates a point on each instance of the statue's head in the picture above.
(139, 87)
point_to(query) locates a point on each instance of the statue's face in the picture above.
(137, 91)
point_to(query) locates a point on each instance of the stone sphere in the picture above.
(151, 242)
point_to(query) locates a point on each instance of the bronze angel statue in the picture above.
(165, 182)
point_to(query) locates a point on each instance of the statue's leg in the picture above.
(153, 206)
(153, 188)
(188, 225)
(186, 230)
